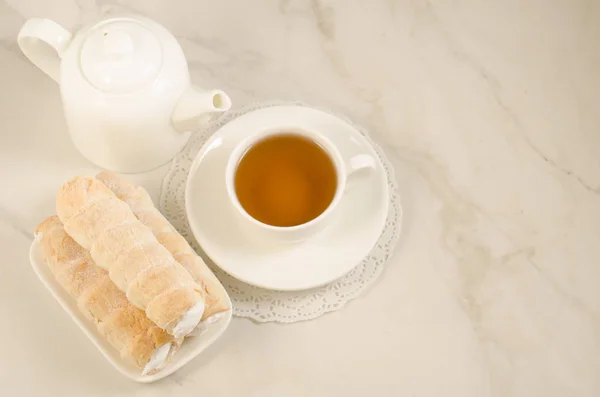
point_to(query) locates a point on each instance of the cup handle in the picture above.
(43, 42)
(358, 163)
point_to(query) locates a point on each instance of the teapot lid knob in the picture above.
(120, 56)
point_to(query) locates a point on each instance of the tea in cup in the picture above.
(285, 183)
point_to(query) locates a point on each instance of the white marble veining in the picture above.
(490, 112)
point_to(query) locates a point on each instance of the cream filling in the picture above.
(204, 325)
(159, 359)
(188, 321)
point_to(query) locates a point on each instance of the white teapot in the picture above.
(125, 88)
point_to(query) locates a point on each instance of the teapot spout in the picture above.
(194, 107)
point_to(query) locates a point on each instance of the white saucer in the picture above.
(356, 227)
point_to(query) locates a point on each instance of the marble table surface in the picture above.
(490, 112)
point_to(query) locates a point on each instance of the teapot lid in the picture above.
(120, 56)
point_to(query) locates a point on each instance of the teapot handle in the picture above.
(43, 42)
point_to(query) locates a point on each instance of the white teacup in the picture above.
(347, 161)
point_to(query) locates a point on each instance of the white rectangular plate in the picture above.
(190, 348)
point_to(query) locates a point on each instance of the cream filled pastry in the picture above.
(127, 329)
(137, 263)
(143, 208)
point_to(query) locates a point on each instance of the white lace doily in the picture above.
(265, 305)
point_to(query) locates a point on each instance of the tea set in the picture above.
(130, 107)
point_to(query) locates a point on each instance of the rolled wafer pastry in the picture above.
(144, 209)
(126, 327)
(137, 263)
